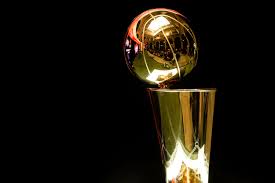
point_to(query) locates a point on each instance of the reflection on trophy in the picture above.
(184, 119)
(161, 47)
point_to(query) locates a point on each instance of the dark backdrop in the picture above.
(107, 124)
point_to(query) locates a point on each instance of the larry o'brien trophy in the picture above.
(160, 48)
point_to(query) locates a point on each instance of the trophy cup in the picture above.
(160, 48)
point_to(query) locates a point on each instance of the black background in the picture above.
(105, 126)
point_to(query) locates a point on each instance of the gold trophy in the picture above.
(160, 48)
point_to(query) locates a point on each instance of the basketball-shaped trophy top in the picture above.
(160, 46)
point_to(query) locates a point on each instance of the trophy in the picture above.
(160, 48)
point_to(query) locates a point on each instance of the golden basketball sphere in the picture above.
(160, 46)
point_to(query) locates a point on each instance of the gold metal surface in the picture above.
(184, 120)
(160, 46)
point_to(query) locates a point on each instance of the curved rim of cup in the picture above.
(183, 90)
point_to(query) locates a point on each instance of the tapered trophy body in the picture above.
(184, 119)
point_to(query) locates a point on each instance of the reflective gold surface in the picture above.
(160, 46)
(184, 119)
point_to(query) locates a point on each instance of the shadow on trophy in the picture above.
(160, 48)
